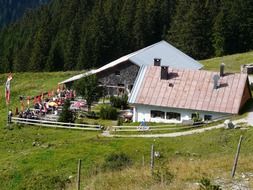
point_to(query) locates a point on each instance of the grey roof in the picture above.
(169, 55)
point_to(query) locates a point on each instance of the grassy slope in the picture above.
(232, 62)
(49, 163)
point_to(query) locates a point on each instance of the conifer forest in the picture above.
(82, 34)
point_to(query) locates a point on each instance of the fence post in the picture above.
(236, 157)
(143, 160)
(152, 159)
(79, 174)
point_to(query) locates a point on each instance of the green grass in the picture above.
(232, 62)
(49, 163)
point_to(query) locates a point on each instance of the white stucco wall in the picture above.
(143, 112)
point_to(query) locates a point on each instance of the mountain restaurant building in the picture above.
(163, 94)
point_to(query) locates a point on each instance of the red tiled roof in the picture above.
(191, 89)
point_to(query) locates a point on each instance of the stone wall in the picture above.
(123, 75)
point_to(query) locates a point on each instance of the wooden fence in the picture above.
(53, 124)
(167, 127)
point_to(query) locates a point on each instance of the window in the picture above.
(131, 87)
(117, 73)
(207, 117)
(173, 115)
(157, 114)
(121, 89)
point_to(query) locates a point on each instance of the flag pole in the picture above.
(8, 116)
(7, 97)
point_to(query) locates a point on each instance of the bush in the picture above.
(163, 175)
(197, 118)
(89, 114)
(67, 115)
(92, 115)
(205, 184)
(117, 161)
(108, 112)
(42, 181)
(119, 102)
(120, 121)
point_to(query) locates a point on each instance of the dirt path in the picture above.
(176, 134)
(250, 118)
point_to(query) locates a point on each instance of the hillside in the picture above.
(36, 158)
(82, 34)
(12, 10)
(232, 62)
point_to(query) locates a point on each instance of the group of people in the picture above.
(46, 103)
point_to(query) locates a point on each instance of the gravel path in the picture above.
(176, 134)
(250, 118)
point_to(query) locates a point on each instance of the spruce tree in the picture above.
(140, 25)
(191, 29)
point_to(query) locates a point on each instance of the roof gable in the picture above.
(189, 89)
(170, 56)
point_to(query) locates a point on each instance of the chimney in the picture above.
(216, 79)
(157, 62)
(222, 67)
(164, 73)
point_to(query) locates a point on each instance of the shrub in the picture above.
(41, 181)
(163, 175)
(92, 115)
(197, 118)
(89, 114)
(108, 112)
(67, 115)
(117, 161)
(205, 184)
(120, 121)
(119, 102)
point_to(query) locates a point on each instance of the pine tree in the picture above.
(125, 27)
(219, 33)
(84, 61)
(55, 58)
(140, 26)
(42, 44)
(66, 115)
(191, 29)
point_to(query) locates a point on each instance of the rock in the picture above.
(34, 143)
(45, 145)
(195, 154)
(157, 154)
(244, 128)
(228, 124)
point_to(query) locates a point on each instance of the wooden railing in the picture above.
(53, 124)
